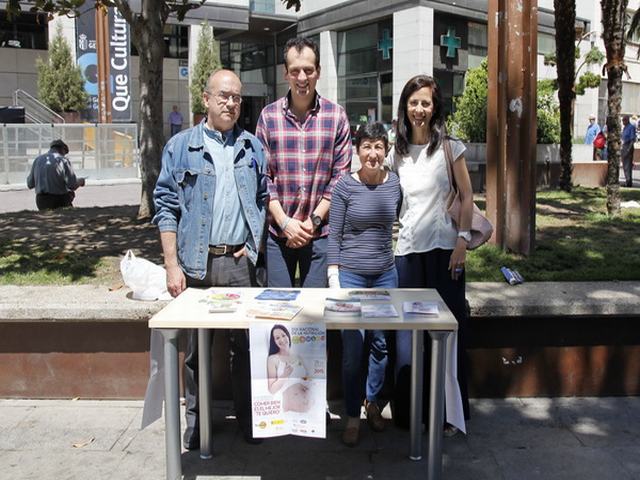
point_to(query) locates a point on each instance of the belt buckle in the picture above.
(219, 249)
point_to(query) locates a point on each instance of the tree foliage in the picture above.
(207, 61)
(469, 122)
(147, 20)
(60, 82)
(587, 79)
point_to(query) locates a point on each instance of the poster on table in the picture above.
(288, 379)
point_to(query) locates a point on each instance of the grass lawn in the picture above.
(575, 241)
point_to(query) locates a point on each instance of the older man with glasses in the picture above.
(210, 209)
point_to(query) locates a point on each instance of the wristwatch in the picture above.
(316, 220)
(465, 235)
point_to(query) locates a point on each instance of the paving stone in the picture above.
(559, 463)
(59, 428)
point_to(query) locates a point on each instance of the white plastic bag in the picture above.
(147, 280)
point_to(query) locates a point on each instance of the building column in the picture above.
(412, 47)
(328, 82)
(194, 37)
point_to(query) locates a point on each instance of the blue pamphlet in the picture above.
(278, 295)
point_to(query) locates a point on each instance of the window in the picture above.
(176, 42)
(478, 44)
(27, 30)
(546, 43)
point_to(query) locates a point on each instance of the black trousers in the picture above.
(222, 271)
(430, 270)
(50, 201)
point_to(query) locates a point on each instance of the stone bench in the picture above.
(539, 338)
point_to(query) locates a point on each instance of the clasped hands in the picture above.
(298, 233)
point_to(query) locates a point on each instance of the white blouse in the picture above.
(424, 222)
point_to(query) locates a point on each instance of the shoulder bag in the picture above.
(481, 228)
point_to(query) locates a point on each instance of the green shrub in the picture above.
(60, 82)
(469, 121)
(207, 61)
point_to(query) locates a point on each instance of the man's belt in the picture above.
(224, 249)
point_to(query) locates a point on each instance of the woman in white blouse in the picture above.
(430, 252)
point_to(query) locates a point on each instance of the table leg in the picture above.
(417, 362)
(436, 404)
(204, 392)
(171, 404)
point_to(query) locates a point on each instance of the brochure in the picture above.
(220, 302)
(342, 308)
(288, 379)
(420, 308)
(272, 294)
(378, 310)
(275, 310)
(370, 295)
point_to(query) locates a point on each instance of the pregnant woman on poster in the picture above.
(286, 372)
(364, 206)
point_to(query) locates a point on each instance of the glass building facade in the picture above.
(365, 60)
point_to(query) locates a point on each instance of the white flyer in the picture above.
(288, 379)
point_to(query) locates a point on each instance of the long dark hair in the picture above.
(436, 124)
(273, 348)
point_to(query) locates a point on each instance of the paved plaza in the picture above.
(516, 438)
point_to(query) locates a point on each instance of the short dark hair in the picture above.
(60, 146)
(436, 124)
(273, 348)
(372, 131)
(300, 43)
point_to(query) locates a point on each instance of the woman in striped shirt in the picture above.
(364, 206)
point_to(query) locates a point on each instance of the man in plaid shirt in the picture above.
(307, 145)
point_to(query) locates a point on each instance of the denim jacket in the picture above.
(184, 194)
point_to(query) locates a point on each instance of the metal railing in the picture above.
(34, 110)
(97, 151)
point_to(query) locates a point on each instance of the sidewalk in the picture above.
(517, 438)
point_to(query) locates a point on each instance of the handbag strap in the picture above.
(448, 155)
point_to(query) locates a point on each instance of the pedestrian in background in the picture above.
(593, 129)
(175, 120)
(53, 178)
(628, 139)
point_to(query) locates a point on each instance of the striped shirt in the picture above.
(361, 225)
(304, 161)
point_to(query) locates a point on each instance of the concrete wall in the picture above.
(18, 70)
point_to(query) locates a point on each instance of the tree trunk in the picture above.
(147, 36)
(613, 23)
(565, 19)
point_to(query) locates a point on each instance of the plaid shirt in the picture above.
(304, 161)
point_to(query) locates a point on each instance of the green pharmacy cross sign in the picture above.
(385, 44)
(451, 42)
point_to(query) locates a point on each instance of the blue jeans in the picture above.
(282, 263)
(354, 341)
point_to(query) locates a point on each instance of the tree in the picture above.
(147, 26)
(207, 61)
(570, 83)
(469, 121)
(564, 22)
(613, 30)
(60, 83)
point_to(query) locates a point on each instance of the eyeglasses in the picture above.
(224, 97)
